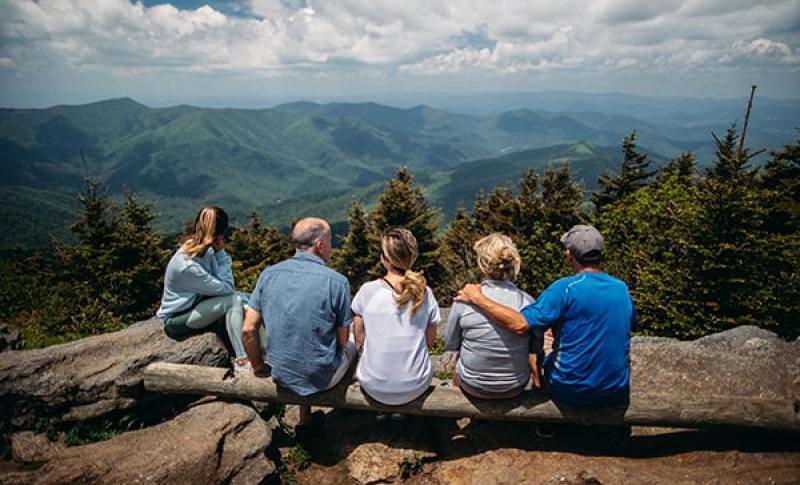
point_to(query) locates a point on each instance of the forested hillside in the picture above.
(303, 157)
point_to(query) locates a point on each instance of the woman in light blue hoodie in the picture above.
(199, 286)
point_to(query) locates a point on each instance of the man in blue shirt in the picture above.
(306, 309)
(591, 314)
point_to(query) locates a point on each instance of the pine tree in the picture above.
(781, 178)
(683, 166)
(134, 279)
(650, 243)
(403, 204)
(549, 212)
(254, 247)
(560, 199)
(354, 258)
(110, 277)
(458, 256)
(633, 175)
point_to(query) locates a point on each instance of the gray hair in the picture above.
(308, 231)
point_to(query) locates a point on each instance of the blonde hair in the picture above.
(498, 257)
(210, 223)
(399, 247)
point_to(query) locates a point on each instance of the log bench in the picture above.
(650, 409)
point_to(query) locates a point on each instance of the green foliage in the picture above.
(650, 244)
(633, 174)
(781, 180)
(253, 247)
(533, 217)
(438, 346)
(702, 255)
(299, 457)
(85, 432)
(110, 277)
(409, 468)
(404, 204)
(401, 204)
(354, 258)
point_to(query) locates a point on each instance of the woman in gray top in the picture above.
(493, 362)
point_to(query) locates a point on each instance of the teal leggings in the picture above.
(207, 312)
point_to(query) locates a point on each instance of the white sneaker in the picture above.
(240, 367)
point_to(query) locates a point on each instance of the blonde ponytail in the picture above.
(400, 251)
(412, 289)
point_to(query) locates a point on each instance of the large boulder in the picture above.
(215, 442)
(745, 361)
(94, 376)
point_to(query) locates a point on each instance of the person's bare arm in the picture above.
(358, 330)
(342, 335)
(430, 336)
(505, 316)
(251, 340)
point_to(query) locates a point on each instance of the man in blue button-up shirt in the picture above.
(306, 308)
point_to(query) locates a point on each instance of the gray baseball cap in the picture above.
(585, 243)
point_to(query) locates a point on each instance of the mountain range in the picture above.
(294, 159)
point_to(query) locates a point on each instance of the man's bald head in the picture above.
(308, 231)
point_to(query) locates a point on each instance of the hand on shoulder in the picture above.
(469, 293)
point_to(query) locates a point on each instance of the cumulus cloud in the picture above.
(295, 37)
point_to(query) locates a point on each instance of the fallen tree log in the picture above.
(644, 409)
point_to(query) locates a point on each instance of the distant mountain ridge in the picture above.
(295, 158)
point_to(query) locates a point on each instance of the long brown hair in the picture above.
(210, 223)
(399, 247)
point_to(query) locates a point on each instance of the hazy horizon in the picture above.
(270, 51)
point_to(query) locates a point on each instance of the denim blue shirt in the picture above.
(302, 302)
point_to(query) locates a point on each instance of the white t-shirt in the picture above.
(394, 367)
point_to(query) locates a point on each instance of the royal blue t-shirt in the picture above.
(591, 314)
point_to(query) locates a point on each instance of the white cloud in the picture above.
(414, 37)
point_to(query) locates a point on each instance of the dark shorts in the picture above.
(489, 395)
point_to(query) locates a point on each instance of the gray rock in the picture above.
(94, 376)
(211, 443)
(28, 447)
(744, 361)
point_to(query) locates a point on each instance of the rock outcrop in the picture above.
(744, 361)
(95, 376)
(214, 442)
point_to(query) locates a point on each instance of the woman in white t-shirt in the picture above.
(395, 321)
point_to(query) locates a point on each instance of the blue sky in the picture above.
(74, 51)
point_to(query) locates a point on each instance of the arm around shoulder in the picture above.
(504, 316)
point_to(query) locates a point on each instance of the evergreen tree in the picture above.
(781, 179)
(403, 204)
(134, 279)
(458, 256)
(683, 166)
(634, 173)
(355, 258)
(254, 247)
(110, 277)
(534, 217)
(560, 199)
(650, 241)
(550, 212)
